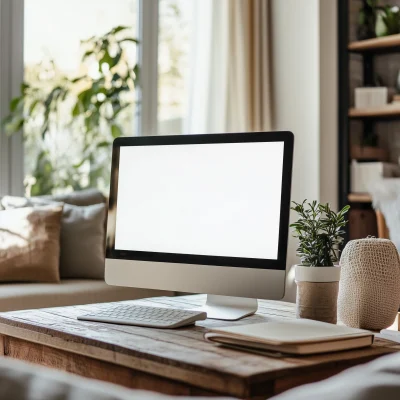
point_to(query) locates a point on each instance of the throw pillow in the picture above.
(30, 244)
(82, 236)
(82, 242)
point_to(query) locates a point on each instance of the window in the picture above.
(53, 49)
(175, 36)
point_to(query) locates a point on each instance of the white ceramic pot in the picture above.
(317, 274)
(317, 292)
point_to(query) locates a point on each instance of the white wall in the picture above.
(328, 98)
(304, 99)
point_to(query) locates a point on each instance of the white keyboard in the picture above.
(152, 317)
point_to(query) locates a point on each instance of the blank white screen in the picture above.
(203, 199)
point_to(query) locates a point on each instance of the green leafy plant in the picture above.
(320, 233)
(387, 20)
(375, 20)
(90, 108)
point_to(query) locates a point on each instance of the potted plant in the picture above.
(319, 231)
(387, 20)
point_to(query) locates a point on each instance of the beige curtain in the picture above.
(249, 89)
(231, 86)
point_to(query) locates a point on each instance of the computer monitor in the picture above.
(202, 214)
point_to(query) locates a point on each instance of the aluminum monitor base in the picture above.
(229, 308)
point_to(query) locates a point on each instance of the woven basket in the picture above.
(369, 290)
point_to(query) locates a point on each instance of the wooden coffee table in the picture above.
(176, 361)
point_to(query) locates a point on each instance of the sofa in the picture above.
(72, 288)
(376, 380)
(68, 292)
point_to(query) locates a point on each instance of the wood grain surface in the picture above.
(175, 361)
(386, 111)
(380, 43)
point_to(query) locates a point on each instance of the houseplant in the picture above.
(319, 231)
(375, 20)
(82, 114)
(387, 20)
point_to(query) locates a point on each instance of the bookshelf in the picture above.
(366, 51)
(381, 44)
(359, 198)
(389, 111)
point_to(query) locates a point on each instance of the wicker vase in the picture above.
(369, 290)
(317, 291)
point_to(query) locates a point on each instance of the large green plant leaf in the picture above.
(116, 131)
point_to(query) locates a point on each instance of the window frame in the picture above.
(11, 77)
(147, 94)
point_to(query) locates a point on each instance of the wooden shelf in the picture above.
(368, 153)
(389, 111)
(359, 198)
(376, 44)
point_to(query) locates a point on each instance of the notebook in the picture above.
(390, 334)
(302, 336)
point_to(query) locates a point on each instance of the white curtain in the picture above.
(230, 72)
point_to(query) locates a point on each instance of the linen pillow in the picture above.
(82, 242)
(30, 244)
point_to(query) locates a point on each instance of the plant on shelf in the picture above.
(387, 20)
(320, 233)
(82, 114)
(376, 21)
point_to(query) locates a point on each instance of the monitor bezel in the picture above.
(279, 264)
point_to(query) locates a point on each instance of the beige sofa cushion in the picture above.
(82, 242)
(23, 296)
(30, 244)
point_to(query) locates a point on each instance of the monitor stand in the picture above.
(229, 308)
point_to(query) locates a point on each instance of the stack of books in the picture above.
(299, 337)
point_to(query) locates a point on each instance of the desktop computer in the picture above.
(201, 214)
